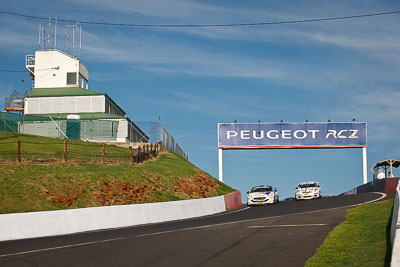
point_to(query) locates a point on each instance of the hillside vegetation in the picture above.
(37, 186)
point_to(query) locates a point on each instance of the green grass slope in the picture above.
(43, 148)
(363, 239)
(33, 186)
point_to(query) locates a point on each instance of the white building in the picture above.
(54, 68)
(61, 90)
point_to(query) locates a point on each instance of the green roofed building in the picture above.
(61, 105)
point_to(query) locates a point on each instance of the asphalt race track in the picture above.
(286, 234)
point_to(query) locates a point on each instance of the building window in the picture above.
(71, 78)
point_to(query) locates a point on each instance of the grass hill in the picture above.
(37, 185)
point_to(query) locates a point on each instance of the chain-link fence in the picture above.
(98, 130)
(9, 122)
(158, 133)
(104, 130)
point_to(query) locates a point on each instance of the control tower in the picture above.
(55, 69)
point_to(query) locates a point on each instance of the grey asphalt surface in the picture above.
(286, 234)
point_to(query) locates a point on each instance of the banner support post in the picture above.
(365, 175)
(220, 170)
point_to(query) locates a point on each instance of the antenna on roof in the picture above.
(70, 31)
(48, 34)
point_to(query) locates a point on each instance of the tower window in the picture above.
(71, 78)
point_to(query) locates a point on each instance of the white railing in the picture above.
(30, 60)
(395, 230)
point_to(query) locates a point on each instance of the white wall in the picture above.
(60, 222)
(52, 66)
(64, 104)
(395, 230)
(122, 132)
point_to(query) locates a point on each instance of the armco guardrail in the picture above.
(382, 185)
(395, 230)
(49, 223)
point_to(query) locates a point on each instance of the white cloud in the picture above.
(196, 12)
(360, 45)
(165, 56)
(172, 51)
(19, 35)
(363, 51)
(379, 108)
(225, 105)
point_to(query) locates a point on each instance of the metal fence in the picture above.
(93, 130)
(9, 122)
(98, 130)
(158, 133)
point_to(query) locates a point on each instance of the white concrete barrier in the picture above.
(49, 223)
(395, 230)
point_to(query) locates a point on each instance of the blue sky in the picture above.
(194, 78)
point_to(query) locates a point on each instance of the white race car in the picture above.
(261, 195)
(308, 190)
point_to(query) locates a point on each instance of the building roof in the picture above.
(63, 116)
(62, 91)
(387, 162)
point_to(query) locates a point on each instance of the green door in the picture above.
(73, 129)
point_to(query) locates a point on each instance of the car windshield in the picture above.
(307, 185)
(261, 189)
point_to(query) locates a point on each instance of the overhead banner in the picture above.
(292, 135)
